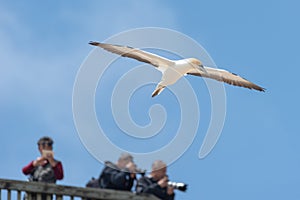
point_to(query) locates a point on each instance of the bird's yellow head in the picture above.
(194, 61)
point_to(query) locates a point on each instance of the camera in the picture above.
(140, 171)
(178, 186)
(47, 153)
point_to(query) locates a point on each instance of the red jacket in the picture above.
(58, 170)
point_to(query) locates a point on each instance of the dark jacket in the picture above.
(113, 177)
(149, 185)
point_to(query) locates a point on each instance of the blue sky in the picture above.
(43, 45)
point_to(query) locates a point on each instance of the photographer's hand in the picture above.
(51, 160)
(39, 161)
(131, 167)
(163, 182)
(170, 190)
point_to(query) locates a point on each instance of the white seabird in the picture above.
(172, 70)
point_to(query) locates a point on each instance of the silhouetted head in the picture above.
(45, 143)
(159, 169)
(124, 159)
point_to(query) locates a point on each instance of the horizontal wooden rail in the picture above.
(70, 191)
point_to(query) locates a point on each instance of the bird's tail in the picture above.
(158, 90)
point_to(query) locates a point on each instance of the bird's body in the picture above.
(173, 70)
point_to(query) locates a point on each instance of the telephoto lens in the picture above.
(178, 186)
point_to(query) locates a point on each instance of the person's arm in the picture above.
(28, 168)
(158, 191)
(146, 186)
(58, 171)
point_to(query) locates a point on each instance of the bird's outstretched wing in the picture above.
(227, 77)
(137, 54)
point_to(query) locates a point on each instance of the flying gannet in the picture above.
(172, 70)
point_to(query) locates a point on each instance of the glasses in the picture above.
(45, 143)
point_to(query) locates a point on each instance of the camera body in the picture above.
(140, 171)
(47, 153)
(178, 186)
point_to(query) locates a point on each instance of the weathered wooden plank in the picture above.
(49, 197)
(39, 196)
(8, 194)
(29, 197)
(61, 190)
(19, 194)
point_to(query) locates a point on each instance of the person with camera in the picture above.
(157, 182)
(119, 176)
(45, 168)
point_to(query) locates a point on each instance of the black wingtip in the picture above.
(261, 89)
(154, 94)
(94, 43)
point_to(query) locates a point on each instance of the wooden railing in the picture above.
(17, 189)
